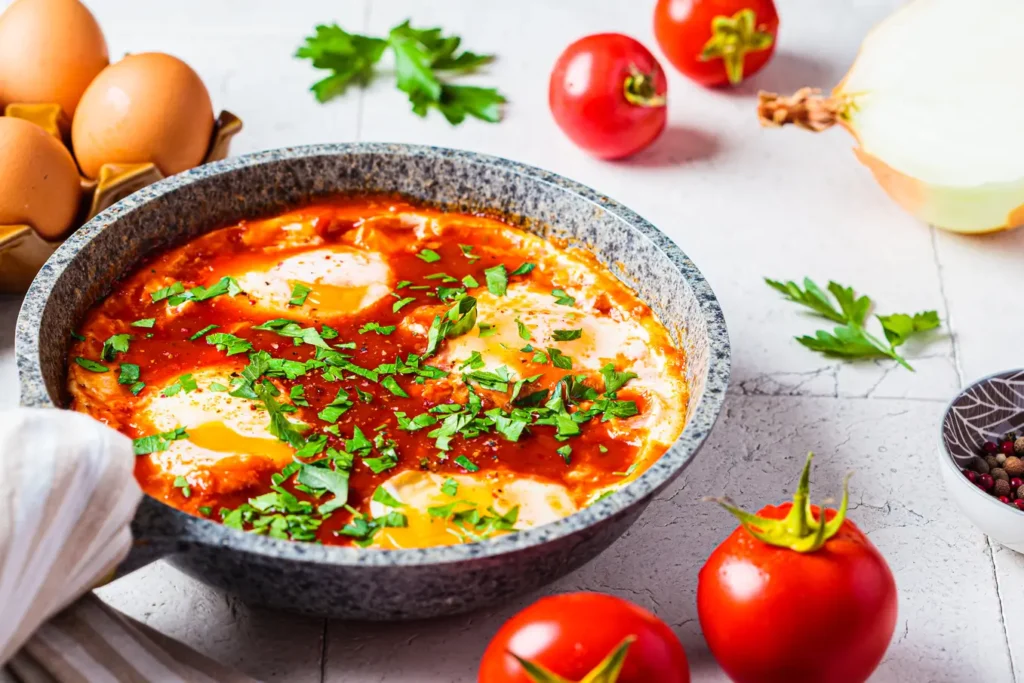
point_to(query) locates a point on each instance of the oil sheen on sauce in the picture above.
(367, 371)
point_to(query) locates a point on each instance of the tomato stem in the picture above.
(798, 530)
(639, 89)
(732, 38)
(606, 672)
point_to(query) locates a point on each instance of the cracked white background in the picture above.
(743, 203)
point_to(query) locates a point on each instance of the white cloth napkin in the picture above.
(67, 497)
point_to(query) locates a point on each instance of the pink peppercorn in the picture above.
(985, 481)
(1007, 447)
(1004, 499)
(1019, 503)
(990, 447)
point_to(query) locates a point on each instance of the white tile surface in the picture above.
(744, 203)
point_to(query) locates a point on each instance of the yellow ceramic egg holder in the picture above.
(23, 251)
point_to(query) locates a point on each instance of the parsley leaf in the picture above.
(559, 359)
(466, 463)
(488, 330)
(155, 443)
(420, 54)
(391, 384)
(289, 328)
(401, 303)
(203, 331)
(325, 479)
(229, 342)
(145, 322)
(428, 256)
(166, 292)
(851, 339)
(91, 365)
(381, 495)
(523, 269)
(450, 487)
(129, 374)
(184, 382)
(497, 280)
(524, 331)
(378, 328)
(116, 344)
(566, 335)
(562, 298)
(299, 294)
(470, 281)
(182, 483)
(280, 426)
(336, 408)
(613, 381)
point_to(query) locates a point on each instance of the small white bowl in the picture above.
(985, 411)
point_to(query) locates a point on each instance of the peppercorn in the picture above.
(1020, 492)
(1002, 488)
(1000, 458)
(1014, 466)
(1000, 473)
(981, 466)
(991, 461)
(1018, 445)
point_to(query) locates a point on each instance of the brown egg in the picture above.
(50, 50)
(147, 107)
(39, 183)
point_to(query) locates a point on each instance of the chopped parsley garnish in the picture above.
(200, 333)
(116, 344)
(299, 294)
(176, 294)
(291, 329)
(443, 277)
(524, 331)
(391, 385)
(182, 483)
(470, 281)
(488, 330)
(136, 388)
(466, 463)
(562, 298)
(184, 382)
(129, 374)
(421, 421)
(474, 362)
(217, 386)
(467, 251)
(559, 359)
(298, 396)
(205, 510)
(145, 322)
(497, 280)
(280, 426)
(336, 408)
(613, 381)
(91, 365)
(381, 495)
(155, 443)
(229, 342)
(428, 256)
(566, 335)
(320, 477)
(75, 335)
(450, 487)
(524, 269)
(401, 303)
(458, 320)
(166, 292)
(565, 451)
(378, 328)
(403, 283)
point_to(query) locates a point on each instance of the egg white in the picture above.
(219, 425)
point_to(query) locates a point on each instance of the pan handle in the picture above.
(158, 531)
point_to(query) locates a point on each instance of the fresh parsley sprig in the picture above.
(851, 339)
(420, 56)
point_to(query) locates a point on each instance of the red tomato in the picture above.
(771, 614)
(607, 93)
(716, 42)
(572, 635)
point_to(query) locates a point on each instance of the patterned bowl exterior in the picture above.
(351, 582)
(985, 411)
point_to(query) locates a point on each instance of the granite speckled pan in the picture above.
(351, 582)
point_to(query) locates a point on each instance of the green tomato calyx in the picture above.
(732, 38)
(606, 672)
(798, 530)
